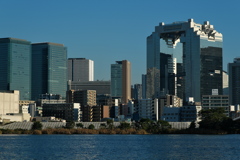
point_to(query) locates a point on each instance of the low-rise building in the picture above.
(216, 101)
(67, 111)
(171, 114)
(190, 113)
(9, 102)
(147, 108)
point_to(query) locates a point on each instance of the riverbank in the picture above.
(112, 131)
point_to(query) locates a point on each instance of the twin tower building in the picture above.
(33, 69)
(184, 59)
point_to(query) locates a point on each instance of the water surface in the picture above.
(101, 147)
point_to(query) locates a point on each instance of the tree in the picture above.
(37, 125)
(80, 125)
(91, 126)
(213, 119)
(70, 124)
(192, 125)
(164, 124)
(125, 125)
(110, 123)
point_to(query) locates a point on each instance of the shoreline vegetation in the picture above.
(214, 121)
(113, 131)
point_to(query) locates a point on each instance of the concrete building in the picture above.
(87, 99)
(234, 81)
(105, 111)
(147, 108)
(153, 83)
(66, 111)
(190, 112)
(84, 97)
(49, 69)
(216, 101)
(137, 91)
(32, 110)
(170, 101)
(15, 117)
(144, 86)
(225, 83)
(9, 102)
(121, 80)
(186, 113)
(115, 108)
(15, 66)
(80, 70)
(49, 98)
(101, 87)
(201, 55)
(171, 114)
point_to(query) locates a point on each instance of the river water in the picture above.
(110, 147)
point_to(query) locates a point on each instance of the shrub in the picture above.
(37, 126)
(79, 125)
(70, 124)
(37, 132)
(91, 126)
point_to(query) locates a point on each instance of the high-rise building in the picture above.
(152, 83)
(15, 66)
(234, 81)
(80, 69)
(225, 83)
(201, 55)
(137, 91)
(144, 86)
(49, 69)
(121, 80)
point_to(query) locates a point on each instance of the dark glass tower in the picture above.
(15, 66)
(49, 69)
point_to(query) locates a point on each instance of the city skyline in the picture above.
(107, 31)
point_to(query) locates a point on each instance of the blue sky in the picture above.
(106, 31)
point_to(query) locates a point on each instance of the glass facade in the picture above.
(49, 69)
(198, 52)
(15, 66)
(116, 80)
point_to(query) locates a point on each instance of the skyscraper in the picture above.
(234, 81)
(49, 69)
(15, 66)
(201, 55)
(80, 69)
(121, 80)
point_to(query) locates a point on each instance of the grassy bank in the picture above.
(74, 131)
(109, 131)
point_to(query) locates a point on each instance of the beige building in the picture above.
(9, 102)
(126, 81)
